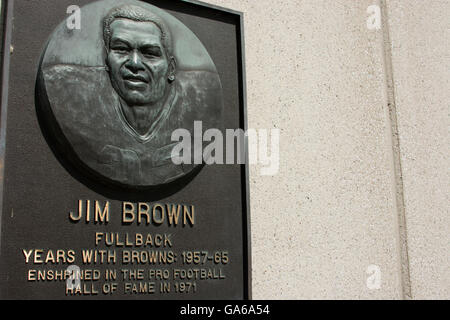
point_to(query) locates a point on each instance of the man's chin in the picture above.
(137, 100)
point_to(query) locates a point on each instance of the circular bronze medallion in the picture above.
(111, 92)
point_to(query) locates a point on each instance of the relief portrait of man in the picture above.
(111, 94)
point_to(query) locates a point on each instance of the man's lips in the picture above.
(135, 79)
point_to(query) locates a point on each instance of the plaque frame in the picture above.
(6, 29)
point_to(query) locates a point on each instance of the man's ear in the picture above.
(172, 69)
(106, 64)
(106, 55)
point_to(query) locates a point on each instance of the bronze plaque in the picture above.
(95, 201)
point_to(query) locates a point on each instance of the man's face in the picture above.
(137, 61)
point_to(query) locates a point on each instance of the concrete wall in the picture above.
(363, 177)
(420, 36)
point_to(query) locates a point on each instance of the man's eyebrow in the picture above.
(150, 46)
(116, 40)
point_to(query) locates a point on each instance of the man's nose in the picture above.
(135, 62)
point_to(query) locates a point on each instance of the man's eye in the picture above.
(120, 49)
(150, 54)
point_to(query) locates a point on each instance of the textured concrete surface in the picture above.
(315, 71)
(420, 33)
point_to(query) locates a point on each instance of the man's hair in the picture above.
(137, 14)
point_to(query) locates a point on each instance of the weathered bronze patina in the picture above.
(112, 109)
